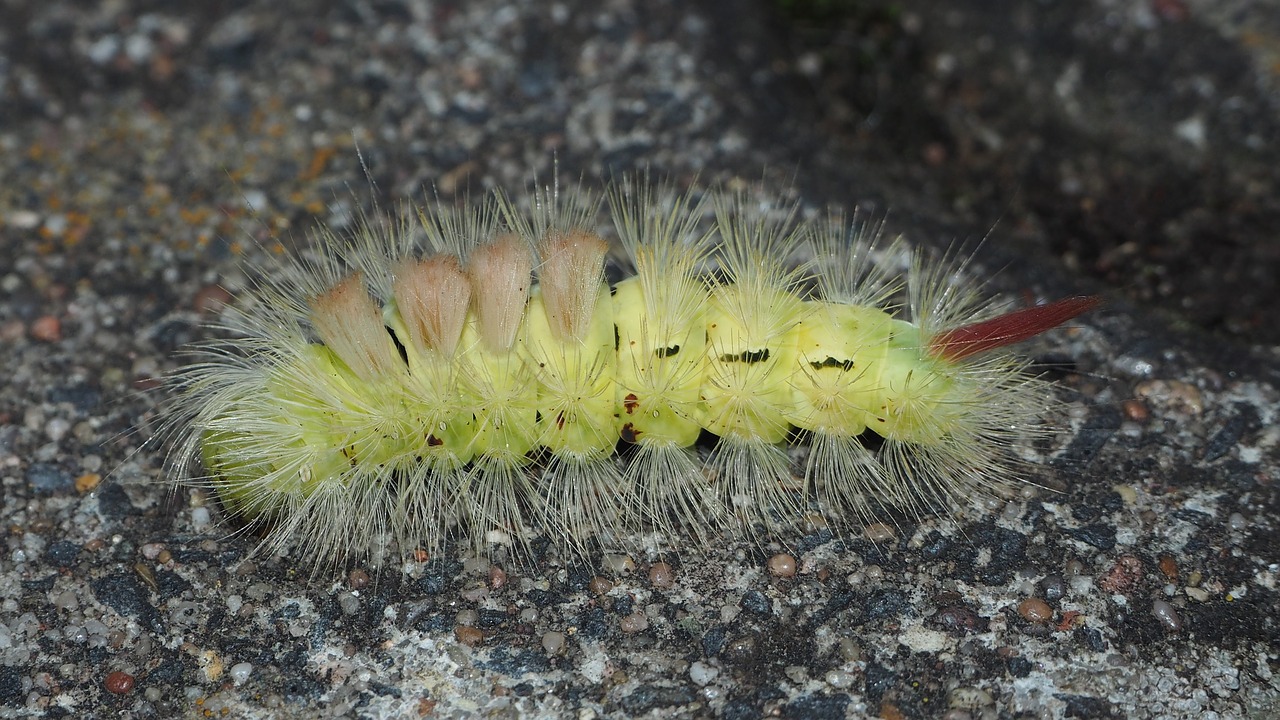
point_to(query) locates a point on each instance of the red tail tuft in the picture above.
(1009, 328)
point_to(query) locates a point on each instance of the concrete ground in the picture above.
(1126, 149)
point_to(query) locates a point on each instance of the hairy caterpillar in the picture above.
(411, 383)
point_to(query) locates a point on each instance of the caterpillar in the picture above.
(472, 374)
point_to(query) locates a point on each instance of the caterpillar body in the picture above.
(411, 384)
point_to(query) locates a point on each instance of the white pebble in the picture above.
(22, 220)
(200, 519)
(56, 224)
(256, 200)
(240, 673)
(103, 49)
(839, 679)
(553, 642)
(56, 429)
(702, 673)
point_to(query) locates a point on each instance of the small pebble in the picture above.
(358, 579)
(634, 623)
(1127, 493)
(740, 650)
(1173, 393)
(934, 154)
(849, 649)
(119, 683)
(240, 673)
(200, 519)
(1237, 522)
(56, 429)
(468, 635)
(619, 564)
(1122, 576)
(728, 612)
(1169, 567)
(1168, 616)
(1035, 610)
(1053, 587)
(782, 565)
(47, 328)
(22, 220)
(960, 618)
(553, 642)
(497, 577)
(146, 575)
(702, 673)
(755, 602)
(469, 618)
(600, 585)
(212, 665)
(879, 532)
(75, 634)
(839, 679)
(661, 576)
(969, 698)
(1135, 410)
(12, 330)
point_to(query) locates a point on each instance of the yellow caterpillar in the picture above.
(414, 383)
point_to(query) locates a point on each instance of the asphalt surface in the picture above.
(148, 152)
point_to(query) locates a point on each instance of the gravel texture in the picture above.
(148, 150)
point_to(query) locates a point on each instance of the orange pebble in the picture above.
(46, 328)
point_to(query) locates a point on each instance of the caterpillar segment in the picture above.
(475, 376)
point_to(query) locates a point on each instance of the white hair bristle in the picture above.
(472, 377)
